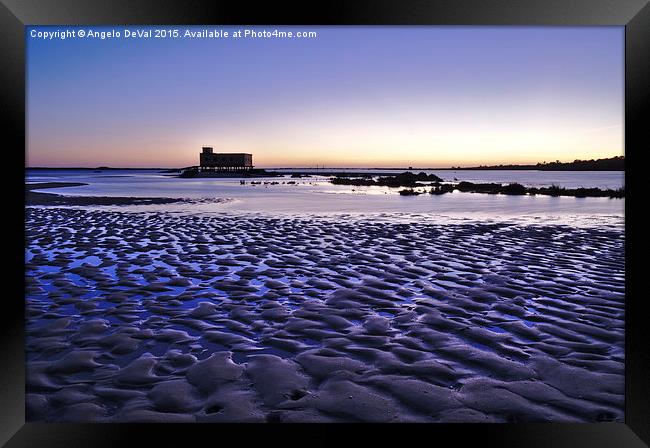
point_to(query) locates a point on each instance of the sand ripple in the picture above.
(233, 319)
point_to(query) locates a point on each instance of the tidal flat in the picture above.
(156, 317)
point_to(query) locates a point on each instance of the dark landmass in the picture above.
(553, 190)
(33, 198)
(38, 198)
(409, 192)
(518, 189)
(611, 164)
(45, 185)
(405, 179)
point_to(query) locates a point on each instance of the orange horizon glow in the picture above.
(432, 97)
(343, 151)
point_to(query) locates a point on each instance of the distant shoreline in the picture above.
(616, 163)
(329, 170)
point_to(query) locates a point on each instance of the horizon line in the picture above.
(322, 167)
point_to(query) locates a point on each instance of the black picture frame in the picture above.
(16, 14)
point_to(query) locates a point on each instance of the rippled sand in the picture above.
(134, 317)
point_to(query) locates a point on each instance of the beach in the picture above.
(178, 317)
(326, 225)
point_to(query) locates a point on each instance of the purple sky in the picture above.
(352, 96)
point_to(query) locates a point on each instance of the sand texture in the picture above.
(164, 318)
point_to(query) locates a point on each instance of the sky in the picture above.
(425, 96)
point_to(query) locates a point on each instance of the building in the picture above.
(225, 161)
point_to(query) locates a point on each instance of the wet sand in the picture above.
(163, 318)
(52, 199)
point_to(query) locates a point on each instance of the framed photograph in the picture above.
(316, 217)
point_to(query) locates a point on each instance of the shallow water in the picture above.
(315, 195)
(287, 300)
(529, 178)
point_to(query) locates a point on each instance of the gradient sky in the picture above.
(353, 96)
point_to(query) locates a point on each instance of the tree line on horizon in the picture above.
(616, 163)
